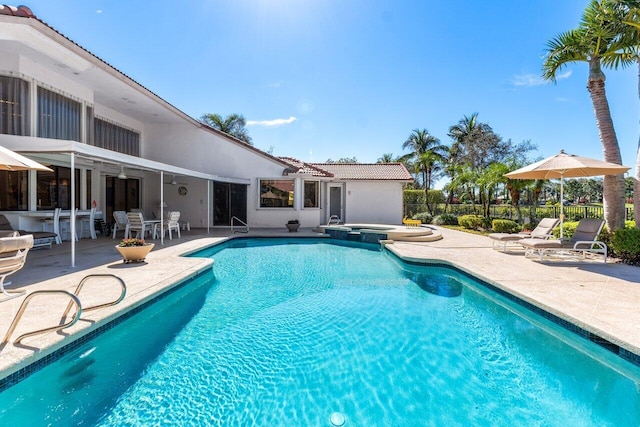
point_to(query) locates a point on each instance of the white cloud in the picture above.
(527, 80)
(530, 80)
(271, 123)
(99, 11)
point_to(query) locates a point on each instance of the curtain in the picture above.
(58, 116)
(14, 106)
(116, 138)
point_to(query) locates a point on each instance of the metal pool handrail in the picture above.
(106, 304)
(23, 307)
(241, 222)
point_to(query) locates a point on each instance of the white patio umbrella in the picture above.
(564, 165)
(12, 161)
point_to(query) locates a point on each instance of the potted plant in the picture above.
(134, 249)
(293, 225)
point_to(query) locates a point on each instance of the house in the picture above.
(128, 149)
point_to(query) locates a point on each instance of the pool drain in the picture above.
(337, 419)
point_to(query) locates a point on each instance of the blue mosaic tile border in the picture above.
(34, 367)
(581, 332)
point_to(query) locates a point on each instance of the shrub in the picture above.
(626, 244)
(470, 222)
(445, 219)
(504, 226)
(424, 217)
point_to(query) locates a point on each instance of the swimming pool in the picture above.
(289, 332)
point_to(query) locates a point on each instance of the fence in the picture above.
(571, 213)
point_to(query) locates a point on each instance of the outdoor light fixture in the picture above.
(173, 180)
(122, 175)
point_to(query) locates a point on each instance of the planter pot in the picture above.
(292, 227)
(135, 253)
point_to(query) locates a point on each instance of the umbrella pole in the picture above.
(561, 204)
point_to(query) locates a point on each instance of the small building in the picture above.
(115, 145)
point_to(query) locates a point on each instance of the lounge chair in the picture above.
(411, 223)
(13, 255)
(40, 238)
(584, 241)
(542, 231)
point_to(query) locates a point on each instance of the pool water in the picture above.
(289, 332)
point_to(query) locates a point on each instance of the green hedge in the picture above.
(445, 219)
(470, 222)
(504, 226)
(424, 217)
(626, 244)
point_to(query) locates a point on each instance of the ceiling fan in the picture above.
(174, 182)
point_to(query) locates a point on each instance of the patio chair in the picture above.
(87, 224)
(61, 226)
(171, 223)
(13, 255)
(543, 230)
(584, 241)
(138, 224)
(121, 223)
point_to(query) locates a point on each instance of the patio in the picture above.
(600, 298)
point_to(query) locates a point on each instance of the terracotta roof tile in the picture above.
(298, 166)
(367, 171)
(16, 11)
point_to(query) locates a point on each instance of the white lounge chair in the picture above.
(543, 230)
(584, 241)
(13, 255)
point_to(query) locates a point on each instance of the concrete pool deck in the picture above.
(601, 298)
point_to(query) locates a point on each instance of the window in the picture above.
(311, 194)
(116, 138)
(54, 188)
(58, 116)
(276, 193)
(14, 106)
(14, 190)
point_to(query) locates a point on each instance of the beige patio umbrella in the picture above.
(564, 165)
(12, 161)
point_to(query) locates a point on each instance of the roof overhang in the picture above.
(42, 146)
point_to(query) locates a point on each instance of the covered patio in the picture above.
(154, 177)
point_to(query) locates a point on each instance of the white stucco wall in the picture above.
(374, 202)
(210, 153)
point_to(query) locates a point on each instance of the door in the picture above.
(335, 202)
(121, 195)
(229, 200)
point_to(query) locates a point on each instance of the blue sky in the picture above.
(319, 79)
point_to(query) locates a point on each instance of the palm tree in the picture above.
(421, 143)
(631, 40)
(427, 154)
(233, 124)
(387, 158)
(594, 41)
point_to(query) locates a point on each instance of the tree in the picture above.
(387, 158)
(233, 124)
(426, 152)
(631, 41)
(427, 155)
(596, 39)
(343, 160)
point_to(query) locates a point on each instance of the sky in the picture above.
(327, 79)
